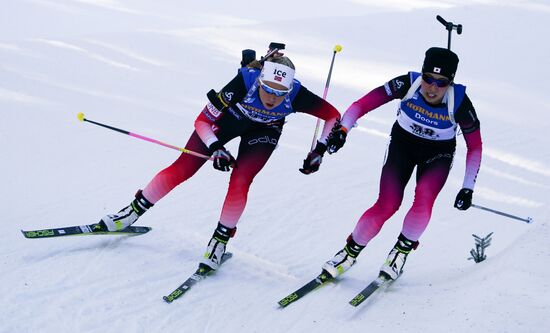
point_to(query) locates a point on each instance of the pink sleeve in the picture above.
(203, 126)
(365, 104)
(473, 158)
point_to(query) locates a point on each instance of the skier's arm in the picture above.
(469, 124)
(393, 89)
(203, 126)
(232, 93)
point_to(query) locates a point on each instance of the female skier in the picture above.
(424, 136)
(252, 106)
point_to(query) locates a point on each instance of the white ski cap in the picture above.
(277, 73)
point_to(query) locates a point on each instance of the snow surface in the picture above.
(145, 66)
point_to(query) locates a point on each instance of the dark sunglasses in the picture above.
(441, 83)
(273, 91)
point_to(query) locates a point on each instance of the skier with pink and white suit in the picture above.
(431, 110)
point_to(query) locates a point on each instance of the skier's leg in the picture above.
(182, 169)
(394, 177)
(254, 151)
(430, 178)
(396, 173)
(431, 175)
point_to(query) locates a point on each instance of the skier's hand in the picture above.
(223, 160)
(314, 159)
(463, 199)
(336, 138)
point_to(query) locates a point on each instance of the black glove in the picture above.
(223, 160)
(314, 159)
(336, 138)
(463, 199)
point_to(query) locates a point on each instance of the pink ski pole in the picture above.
(183, 150)
(337, 49)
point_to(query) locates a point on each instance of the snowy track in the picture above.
(147, 67)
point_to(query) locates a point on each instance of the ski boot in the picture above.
(127, 215)
(216, 246)
(393, 266)
(344, 259)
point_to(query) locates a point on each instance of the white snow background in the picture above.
(145, 66)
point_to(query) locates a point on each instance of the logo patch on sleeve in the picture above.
(213, 111)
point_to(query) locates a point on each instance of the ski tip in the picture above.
(287, 300)
(167, 299)
(33, 234)
(357, 300)
(136, 230)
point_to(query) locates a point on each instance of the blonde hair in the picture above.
(282, 60)
(278, 60)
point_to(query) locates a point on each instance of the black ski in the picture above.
(320, 280)
(381, 282)
(88, 229)
(200, 274)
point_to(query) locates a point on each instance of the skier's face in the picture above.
(433, 87)
(269, 92)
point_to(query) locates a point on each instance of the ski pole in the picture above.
(81, 117)
(336, 49)
(527, 220)
(450, 27)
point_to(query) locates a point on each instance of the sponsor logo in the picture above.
(213, 110)
(395, 86)
(422, 131)
(437, 70)
(399, 84)
(388, 89)
(39, 233)
(438, 156)
(234, 113)
(265, 112)
(425, 120)
(228, 95)
(289, 299)
(279, 75)
(278, 72)
(429, 114)
(263, 139)
(261, 115)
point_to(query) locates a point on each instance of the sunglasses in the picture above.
(273, 91)
(441, 83)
